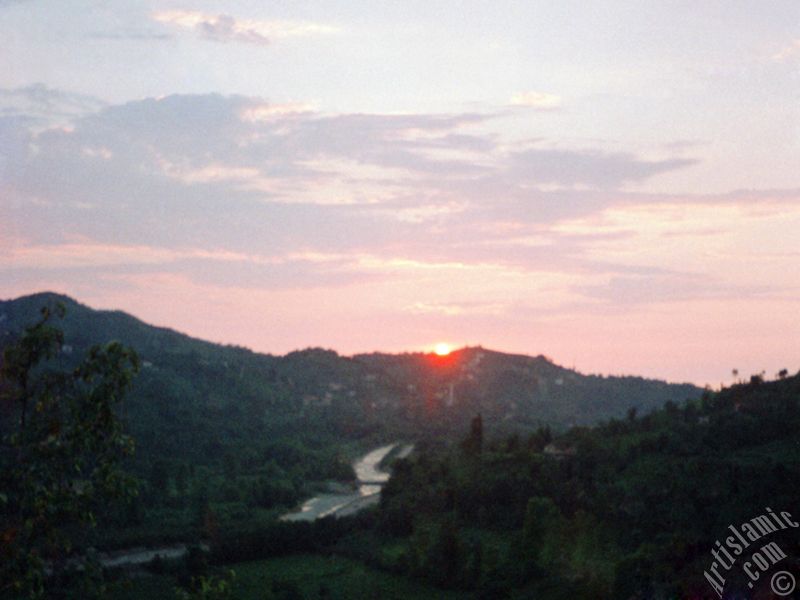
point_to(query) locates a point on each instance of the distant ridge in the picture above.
(198, 394)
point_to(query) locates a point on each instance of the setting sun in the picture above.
(442, 349)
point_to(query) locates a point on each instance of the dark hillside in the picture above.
(195, 399)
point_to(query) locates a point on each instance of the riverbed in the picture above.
(370, 480)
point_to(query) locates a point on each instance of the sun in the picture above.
(442, 349)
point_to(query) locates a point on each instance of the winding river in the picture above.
(370, 482)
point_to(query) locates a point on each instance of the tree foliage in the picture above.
(62, 442)
(628, 509)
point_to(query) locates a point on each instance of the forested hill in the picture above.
(632, 508)
(199, 398)
(518, 390)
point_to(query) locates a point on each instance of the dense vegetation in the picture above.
(296, 577)
(61, 447)
(198, 400)
(528, 479)
(630, 509)
(227, 436)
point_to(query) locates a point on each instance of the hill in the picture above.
(517, 391)
(195, 398)
(633, 508)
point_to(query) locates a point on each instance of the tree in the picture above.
(445, 556)
(538, 440)
(59, 454)
(542, 519)
(209, 588)
(473, 444)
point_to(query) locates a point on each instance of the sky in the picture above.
(614, 185)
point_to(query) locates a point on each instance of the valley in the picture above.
(472, 472)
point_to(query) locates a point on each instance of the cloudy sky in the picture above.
(615, 185)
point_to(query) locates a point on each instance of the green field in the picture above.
(313, 575)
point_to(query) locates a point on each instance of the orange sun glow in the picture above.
(442, 349)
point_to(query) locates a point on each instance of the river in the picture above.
(370, 482)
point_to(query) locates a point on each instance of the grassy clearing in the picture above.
(313, 576)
